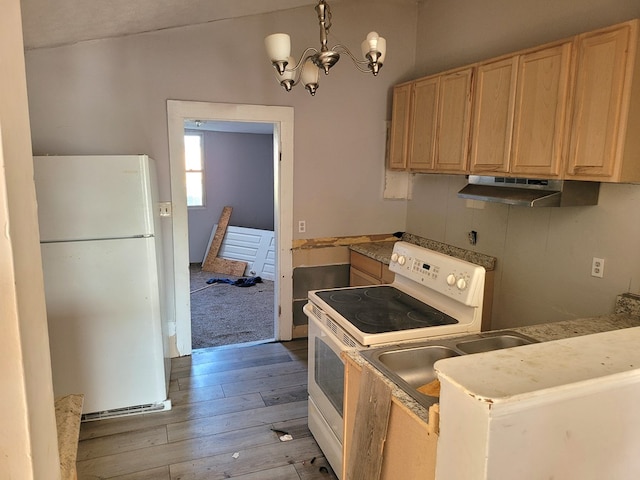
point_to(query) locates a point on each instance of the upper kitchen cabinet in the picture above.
(564, 110)
(540, 112)
(434, 138)
(453, 122)
(605, 144)
(422, 131)
(520, 105)
(398, 137)
(493, 106)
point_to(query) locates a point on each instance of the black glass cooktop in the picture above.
(384, 308)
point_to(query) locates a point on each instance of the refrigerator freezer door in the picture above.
(104, 322)
(93, 197)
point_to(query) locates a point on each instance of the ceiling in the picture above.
(49, 23)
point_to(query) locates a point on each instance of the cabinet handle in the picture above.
(487, 168)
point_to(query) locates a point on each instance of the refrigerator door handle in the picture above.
(146, 235)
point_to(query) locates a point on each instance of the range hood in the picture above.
(531, 192)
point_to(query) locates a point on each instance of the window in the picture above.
(194, 169)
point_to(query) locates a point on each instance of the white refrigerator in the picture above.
(101, 256)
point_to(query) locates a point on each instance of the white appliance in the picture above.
(433, 295)
(101, 257)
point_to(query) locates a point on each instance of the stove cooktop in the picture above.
(384, 308)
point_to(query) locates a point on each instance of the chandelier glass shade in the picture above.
(289, 72)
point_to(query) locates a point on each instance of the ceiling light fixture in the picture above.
(289, 73)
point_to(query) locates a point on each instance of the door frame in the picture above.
(282, 119)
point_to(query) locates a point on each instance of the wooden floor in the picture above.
(226, 401)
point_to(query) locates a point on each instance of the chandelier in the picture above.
(289, 73)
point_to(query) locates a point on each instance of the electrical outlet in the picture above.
(302, 226)
(597, 267)
(165, 209)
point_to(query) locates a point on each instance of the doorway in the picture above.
(281, 118)
(230, 164)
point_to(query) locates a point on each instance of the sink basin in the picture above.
(411, 365)
(415, 365)
(488, 344)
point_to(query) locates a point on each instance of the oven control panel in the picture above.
(455, 278)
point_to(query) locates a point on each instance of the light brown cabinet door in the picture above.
(493, 103)
(399, 127)
(422, 135)
(454, 120)
(409, 450)
(361, 279)
(368, 271)
(540, 112)
(600, 104)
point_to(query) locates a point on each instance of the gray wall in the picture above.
(544, 255)
(238, 173)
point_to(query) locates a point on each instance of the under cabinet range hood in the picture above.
(531, 192)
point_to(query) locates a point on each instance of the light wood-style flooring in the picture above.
(226, 401)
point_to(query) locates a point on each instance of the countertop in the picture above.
(68, 412)
(626, 316)
(529, 371)
(381, 251)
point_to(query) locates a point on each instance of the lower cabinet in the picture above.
(407, 448)
(368, 271)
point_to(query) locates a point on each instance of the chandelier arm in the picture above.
(362, 65)
(306, 55)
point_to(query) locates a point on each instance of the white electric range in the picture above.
(433, 295)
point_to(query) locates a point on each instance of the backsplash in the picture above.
(628, 303)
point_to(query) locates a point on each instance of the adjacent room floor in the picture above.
(225, 314)
(227, 402)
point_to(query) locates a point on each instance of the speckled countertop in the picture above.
(381, 251)
(627, 315)
(68, 412)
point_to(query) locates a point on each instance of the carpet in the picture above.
(225, 314)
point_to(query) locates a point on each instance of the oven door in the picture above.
(326, 389)
(326, 373)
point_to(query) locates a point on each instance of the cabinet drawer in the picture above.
(366, 264)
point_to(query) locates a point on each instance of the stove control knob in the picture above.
(461, 284)
(451, 280)
(402, 260)
(394, 257)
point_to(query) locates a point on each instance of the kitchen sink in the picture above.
(487, 344)
(415, 365)
(411, 366)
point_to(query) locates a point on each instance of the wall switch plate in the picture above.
(597, 267)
